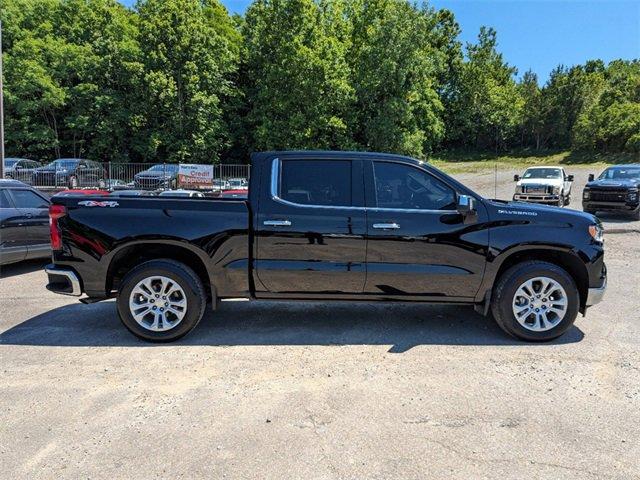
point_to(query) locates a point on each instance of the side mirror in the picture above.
(570, 178)
(465, 205)
(592, 177)
(516, 178)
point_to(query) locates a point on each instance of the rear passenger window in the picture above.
(320, 182)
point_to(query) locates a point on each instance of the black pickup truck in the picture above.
(329, 226)
(617, 189)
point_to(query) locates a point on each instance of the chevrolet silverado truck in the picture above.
(615, 190)
(329, 226)
(548, 185)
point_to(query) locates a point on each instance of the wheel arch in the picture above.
(129, 256)
(564, 258)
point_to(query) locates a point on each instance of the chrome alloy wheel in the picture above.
(158, 303)
(540, 304)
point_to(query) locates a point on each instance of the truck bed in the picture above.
(101, 235)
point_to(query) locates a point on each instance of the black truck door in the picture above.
(417, 244)
(310, 228)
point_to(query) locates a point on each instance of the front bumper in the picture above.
(63, 281)
(536, 198)
(596, 295)
(623, 207)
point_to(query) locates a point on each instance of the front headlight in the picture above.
(633, 196)
(586, 194)
(597, 232)
(556, 190)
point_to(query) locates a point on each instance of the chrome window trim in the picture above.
(276, 166)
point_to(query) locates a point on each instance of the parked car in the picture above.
(615, 190)
(70, 172)
(182, 193)
(20, 168)
(238, 184)
(331, 226)
(24, 222)
(117, 184)
(234, 194)
(548, 185)
(162, 175)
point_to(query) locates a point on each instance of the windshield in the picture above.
(620, 173)
(543, 173)
(164, 168)
(63, 163)
(236, 183)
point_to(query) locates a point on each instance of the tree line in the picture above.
(182, 80)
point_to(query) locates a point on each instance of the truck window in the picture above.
(4, 200)
(316, 182)
(406, 187)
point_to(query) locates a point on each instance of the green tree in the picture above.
(297, 78)
(395, 68)
(190, 55)
(488, 106)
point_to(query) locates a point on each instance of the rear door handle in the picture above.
(386, 226)
(277, 223)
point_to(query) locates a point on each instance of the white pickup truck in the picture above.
(548, 185)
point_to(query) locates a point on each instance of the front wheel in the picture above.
(535, 301)
(161, 300)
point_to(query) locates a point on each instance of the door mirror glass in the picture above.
(465, 204)
(570, 178)
(516, 178)
(591, 177)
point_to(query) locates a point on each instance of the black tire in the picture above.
(179, 273)
(508, 284)
(636, 215)
(567, 201)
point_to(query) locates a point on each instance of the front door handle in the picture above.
(277, 223)
(386, 226)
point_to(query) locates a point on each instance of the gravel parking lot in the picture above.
(287, 390)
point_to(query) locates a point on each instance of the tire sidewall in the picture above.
(193, 292)
(517, 278)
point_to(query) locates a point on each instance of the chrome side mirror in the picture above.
(465, 205)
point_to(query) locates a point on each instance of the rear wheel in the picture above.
(535, 301)
(161, 300)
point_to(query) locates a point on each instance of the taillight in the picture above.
(56, 212)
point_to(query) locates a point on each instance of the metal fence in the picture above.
(75, 174)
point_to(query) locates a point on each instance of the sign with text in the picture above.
(195, 176)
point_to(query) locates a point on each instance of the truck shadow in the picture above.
(401, 326)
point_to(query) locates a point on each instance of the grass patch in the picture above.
(469, 162)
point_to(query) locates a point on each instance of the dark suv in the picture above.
(24, 222)
(71, 173)
(615, 190)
